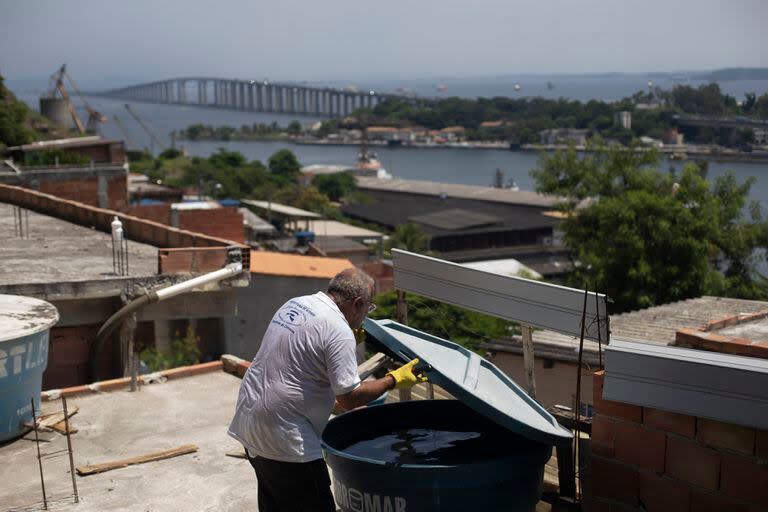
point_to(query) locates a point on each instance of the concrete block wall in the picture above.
(653, 460)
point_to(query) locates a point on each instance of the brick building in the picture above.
(93, 148)
(104, 185)
(207, 217)
(683, 429)
(63, 253)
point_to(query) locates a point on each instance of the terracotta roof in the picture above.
(280, 264)
(387, 129)
(492, 124)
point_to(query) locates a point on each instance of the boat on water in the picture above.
(368, 165)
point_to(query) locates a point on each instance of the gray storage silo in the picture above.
(57, 110)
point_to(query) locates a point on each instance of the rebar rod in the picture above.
(69, 448)
(39, 457)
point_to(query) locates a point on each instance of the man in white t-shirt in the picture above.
(306, 364)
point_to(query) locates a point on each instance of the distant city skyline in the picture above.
(343, 40)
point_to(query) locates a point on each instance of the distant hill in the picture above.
(725, 74)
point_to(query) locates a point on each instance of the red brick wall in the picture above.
(117, 193)
(664, 461)
(84, 190)
(224, 223)
(383, 275)
(155, 212)
(702, 339)
(69, 354)
(137, 229)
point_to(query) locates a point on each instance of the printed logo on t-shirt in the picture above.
(292, 316)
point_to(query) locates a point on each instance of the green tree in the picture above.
(285, 164)
(408, 237)
(170, 154)
(336, 185)
(225, 174)
(184, 351)
(13, 116)
(646, 237)
(461, 326)
(306, 198)
(294, 128)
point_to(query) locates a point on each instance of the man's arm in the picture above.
(403, 377)
(364, 393)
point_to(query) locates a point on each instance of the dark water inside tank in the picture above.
(426, 446)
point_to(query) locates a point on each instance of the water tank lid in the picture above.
(472, 379)
(22, 316)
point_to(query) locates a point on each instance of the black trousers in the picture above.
(293, 486)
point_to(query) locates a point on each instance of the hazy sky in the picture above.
(340, 39)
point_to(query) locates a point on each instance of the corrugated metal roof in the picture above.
(336, 228)
(523, 197)
(455, 218)
(282, 209)
(280, 264)
(655, 326)
(659, 324)
(74, 142)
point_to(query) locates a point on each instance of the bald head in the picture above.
(350, 284)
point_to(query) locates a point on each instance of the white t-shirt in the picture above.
(307, 357)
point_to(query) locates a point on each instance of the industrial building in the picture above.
(468, 223)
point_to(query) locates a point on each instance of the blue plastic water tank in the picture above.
(24, 326)
(304, 237)
(506, 477)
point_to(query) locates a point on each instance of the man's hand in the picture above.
(405, 376)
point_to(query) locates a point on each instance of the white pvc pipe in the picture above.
(217, 275)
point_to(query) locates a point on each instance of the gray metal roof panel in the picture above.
(472, 379)
(723, 387)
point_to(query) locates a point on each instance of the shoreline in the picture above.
(688, 153)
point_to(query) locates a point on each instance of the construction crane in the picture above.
(95, 118)
(154, 138)
(128, 139)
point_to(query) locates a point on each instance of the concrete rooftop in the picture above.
(59, 251)
(120, 424)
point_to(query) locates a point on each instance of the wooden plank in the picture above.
(528, 359)
(61, 428)
(49, 420)
(150, 457)
(371, 365)
(565, 475)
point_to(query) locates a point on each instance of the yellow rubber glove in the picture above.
(404, 376)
